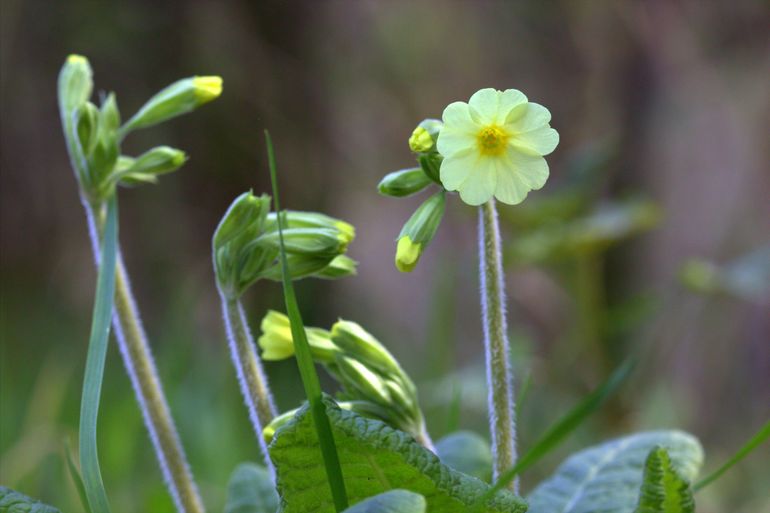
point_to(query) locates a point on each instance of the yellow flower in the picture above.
(494, 146)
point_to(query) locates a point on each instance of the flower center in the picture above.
(492, 140)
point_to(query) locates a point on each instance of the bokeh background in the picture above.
(663, 102)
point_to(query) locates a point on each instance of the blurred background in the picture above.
(663, 109)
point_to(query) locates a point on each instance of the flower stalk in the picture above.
(251, 376)
(139, 363)
(500, 399)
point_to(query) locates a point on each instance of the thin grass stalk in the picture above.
(251, 377)
(139, 363)
(500, 398)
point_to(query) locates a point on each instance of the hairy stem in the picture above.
(137, 358)
(254, 387)
(501, 404)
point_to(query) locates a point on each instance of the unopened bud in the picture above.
(277, 342)
(157, 161)
(298, 219)
(352, 338)
(359, 377)
(75, 85)
(423, 139)
(418, 232)
(404, 183)
(339, 267)
(179, 98)
(316, 242)
(363, 408)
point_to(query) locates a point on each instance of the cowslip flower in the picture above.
(494, 146)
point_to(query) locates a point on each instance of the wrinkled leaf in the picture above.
(15, 502)
(663, 489)
(607, 477)
(251, 490)
(394, 501)
(375, 458)
(467, 452)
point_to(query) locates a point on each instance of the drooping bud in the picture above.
(179, 98)
(424, 137)
(157, 161)
(357, 376)
(360, 344)
(404, 182)
(339, 267)
(418, 232)
(299, 219)
(277, 343)
(315, 242)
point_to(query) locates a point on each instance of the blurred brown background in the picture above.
(681, 88)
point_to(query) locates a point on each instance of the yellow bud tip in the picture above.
(420, 141)
(407, 254)
(76, 59)
(179, 158)
(207, 88)
(347, 230)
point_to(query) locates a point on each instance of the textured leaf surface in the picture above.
(15, 502)
(394, 501)
(251, 490)
(467, 452)
(606, 478)
(663, 489)
(375, 458)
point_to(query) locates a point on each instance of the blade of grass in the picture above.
(76, 477)
(305, 360)
(559, 431)
(761, 436)
(97, 352)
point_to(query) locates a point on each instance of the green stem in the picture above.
(137, 358)
(501, 402)
(251, 377)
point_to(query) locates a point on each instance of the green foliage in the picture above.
(608, 477)
(394, 501)
(15, 502)
(251, 490)
(663, 489)
(97, 352)
(467, 452)
(375, 458)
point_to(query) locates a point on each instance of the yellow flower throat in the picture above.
(492, 140)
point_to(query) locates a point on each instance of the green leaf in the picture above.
(251, 490)
(607, 477)
(15, 502)
(394, 501)
(375, 458)
(323, 430)
(97, 352)
(663, 489)
(467, 452)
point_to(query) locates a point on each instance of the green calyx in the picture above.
(246, 245)
(418, 231)
(404, 182)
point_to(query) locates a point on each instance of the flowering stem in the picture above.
(254, 387)
(502, 412)
(140, 366)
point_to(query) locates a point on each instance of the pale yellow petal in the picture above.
(457, 115)
(527, 116)
(509, 99)
(510, 188)
(480, 184)
(457, 167)
(532, 170)
(541, 141)
(485, 106)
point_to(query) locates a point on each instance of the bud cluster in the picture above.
(94, 134)
(246, 245)
(419, 230)
(373, 383)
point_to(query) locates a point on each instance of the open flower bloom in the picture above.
(494, 146)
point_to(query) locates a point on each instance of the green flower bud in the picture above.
(358, 377)
(109, 115)
(179, 98)
(418, 232)
(88, 127)
(277, 343)
(339, 267)
(75, 86)
(316, 242)
(424, 137)
(298, 219)
(355, 341)
(157, 161)
(403, 183)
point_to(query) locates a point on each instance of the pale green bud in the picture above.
(157, 161)
(418, 232)
(340, 267)
(88, 127)
(352, 338)
(357, 376)
(424, 137)
(109, 115)
(315, 242)
(299, 219)
(75, 85)
(179, 98)
(277, 342)
(404, 183)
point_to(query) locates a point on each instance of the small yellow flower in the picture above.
(494, 146)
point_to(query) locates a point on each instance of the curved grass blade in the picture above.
(761, 436)
(305, 360)
(559, 431)
(76, 477)
(97, 352)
